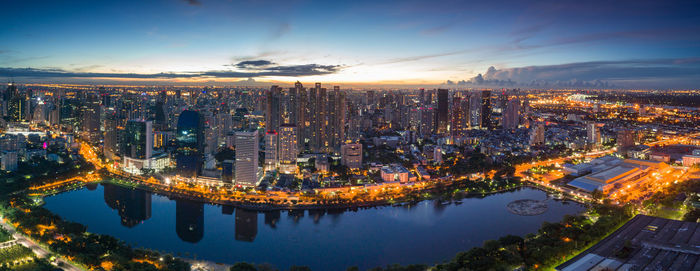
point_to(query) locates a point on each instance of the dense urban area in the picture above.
(631, 157)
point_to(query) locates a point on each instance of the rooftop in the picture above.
(647, 243)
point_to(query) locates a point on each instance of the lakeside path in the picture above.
(37, 249)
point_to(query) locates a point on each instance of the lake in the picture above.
(428, 232)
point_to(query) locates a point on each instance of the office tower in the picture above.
(190, 143)
(335, 132)
(91, 117)
(246, 158)
(227, 171)
(189, 220)
(486, 109)
(322, 121)
(460, 111)
(537, 134)
(138, 139)
(427, 118)
(351, 155)
(442, 111)
(302, 122)
(111, 137)
(511, 115)
(16, 106)
(288, 148)
(271, 161)
(593, 133)
(272, 109)
(313, 118)
(626, 138)
(475, 119)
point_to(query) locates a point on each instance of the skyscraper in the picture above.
(190, 143)
(271, 159)
(511, 116)
(442, 111)
(246, 158)
(288, 148)
(475, 110)
(537, 134)
(138, 139)
(486, 109)
(593, 133)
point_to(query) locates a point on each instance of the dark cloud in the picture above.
(247, 69)
(252, 63)
(655, 73)
(193, 2)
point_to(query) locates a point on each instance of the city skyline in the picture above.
(562, 44)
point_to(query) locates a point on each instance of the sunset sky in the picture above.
(630, 44)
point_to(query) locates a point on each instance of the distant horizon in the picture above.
(463, 44)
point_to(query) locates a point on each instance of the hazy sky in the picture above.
(646, 44)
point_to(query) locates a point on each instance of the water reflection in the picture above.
(246, 225)
(189, 220)
(133, 206)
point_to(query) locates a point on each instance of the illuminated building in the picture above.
(537, 134)
(442, 111)
(351, 155)
(271, 159)
(288, 148)
(190, 143)
(247, 158)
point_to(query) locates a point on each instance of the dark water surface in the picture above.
(428, 232)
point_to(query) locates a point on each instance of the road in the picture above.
(38, 250)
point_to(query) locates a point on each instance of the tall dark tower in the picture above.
(190, 143)
(486, 109)
(442, 111)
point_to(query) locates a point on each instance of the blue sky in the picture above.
(640, 44)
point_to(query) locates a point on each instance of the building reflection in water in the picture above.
(271, 218)
(189, 220)
(133, 205)
(246, 225)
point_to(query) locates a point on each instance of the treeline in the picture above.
(551, 245)
(94, 251)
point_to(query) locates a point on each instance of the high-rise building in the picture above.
(272, 109)
(138, 139)
(351, 155)
(626, 138)
(511, 116)
(486, 109)
(247, 158)
(288, 148)
(91, 117)
(427, 118)
(190, 143)
(442, 111)
(271, 159)
(137, 145)
(460, 111)
(537, 134)
(227, 171)
(111, 137)
(593, 133)
(475, 119)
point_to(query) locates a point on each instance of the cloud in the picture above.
(245, 69)
(653, 73)
(193, 2)
(253, 63)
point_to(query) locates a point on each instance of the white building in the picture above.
(246, 158)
